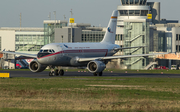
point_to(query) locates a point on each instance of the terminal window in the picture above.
(92, 36)
(144, 13)
(133, 12)
(136, 2)
(29, 42)
(177, 37)
(131, 2)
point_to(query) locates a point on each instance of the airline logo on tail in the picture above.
(109, 30)
(113, 17)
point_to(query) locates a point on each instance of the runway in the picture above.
(44, 74)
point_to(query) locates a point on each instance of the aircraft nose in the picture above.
(39, 55)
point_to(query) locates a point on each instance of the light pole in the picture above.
(55, 18)
(52, 38)
(49, 16)
(71, 26)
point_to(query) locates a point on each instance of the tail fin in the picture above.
(110, 34)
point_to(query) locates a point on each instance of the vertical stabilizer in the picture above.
(110, 34)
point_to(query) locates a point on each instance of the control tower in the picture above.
(138, 9)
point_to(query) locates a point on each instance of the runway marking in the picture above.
(4, 75)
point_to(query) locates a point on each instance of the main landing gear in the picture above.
(56, 72)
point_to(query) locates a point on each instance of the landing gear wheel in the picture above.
(95, 74)
(56, 72)
(100, 74)
(61, 72)
(51, 73)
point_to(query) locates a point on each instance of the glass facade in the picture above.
(96, 36)
(29, 42)
(49, 30)
(136, 34)
(133, 12)
(177, 42)
(133, 2)
(154, 43)
(161, 42)
(119, 37)
(92, 36)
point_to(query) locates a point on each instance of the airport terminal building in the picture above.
(139, 24)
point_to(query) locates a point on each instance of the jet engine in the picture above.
(35, 66)
(96, 66)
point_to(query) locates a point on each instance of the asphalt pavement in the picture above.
(45, 74)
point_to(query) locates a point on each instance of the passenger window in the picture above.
(53, 51)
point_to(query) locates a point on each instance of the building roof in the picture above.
(23, 28)
(133, 2)
(55, 21)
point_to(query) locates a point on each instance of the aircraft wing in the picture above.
(128, 47)
(22, 54)
(117, 57)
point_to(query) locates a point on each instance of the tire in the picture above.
(61, 73)
(56, 72)
(95, 74)
(50, 74)
(100, 74)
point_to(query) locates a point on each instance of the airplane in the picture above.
(94, 56)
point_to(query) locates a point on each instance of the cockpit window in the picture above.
(45, 52)
(50, 51)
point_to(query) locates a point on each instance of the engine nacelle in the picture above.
(35, 66)
(96, 66)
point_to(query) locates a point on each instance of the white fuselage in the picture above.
(66, 54)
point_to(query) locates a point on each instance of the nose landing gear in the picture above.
(56, 72)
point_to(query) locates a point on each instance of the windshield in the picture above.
(45, 52)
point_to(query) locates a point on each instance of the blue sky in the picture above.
(95, 12)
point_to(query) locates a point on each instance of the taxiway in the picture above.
(44, 74)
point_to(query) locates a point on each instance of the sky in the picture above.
(95, 12)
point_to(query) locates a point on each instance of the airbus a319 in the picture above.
(94, 56)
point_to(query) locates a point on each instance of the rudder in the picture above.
(110, 34)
